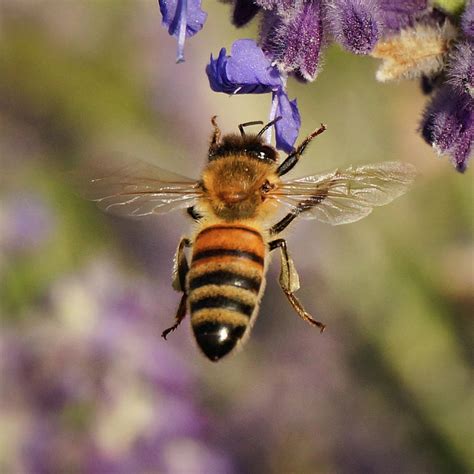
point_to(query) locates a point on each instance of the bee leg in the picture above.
(282, 224)
(180, 270)
(290, 282)
(180, 315)
(293, 158)
(302, 206)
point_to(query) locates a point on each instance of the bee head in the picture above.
(237, 186)
(240, 173)
(253, 146)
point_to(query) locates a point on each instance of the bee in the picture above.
(235, 205)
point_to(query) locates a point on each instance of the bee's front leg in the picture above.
(292, 159)
(180, 270)
(290, 282)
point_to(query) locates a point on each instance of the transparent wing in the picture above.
(136, 188)
(344, 196)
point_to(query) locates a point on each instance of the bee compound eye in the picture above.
(217, 339)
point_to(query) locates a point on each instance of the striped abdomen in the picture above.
(224, 284)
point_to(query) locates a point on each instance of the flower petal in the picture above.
(183, 18)
(286, 129)
(216, 73)
(248, 65)
(245, 71)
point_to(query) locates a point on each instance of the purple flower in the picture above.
(183, 18)
(413, 37)
(355, 24)
(467, 20)
(245, 71)
(398, 14)
(448, 125)
(270, 4)
(26, 220)
(286, 129)
(292, 37)
(104, 394)
(248, 71)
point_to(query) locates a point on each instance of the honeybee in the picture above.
(234, 207)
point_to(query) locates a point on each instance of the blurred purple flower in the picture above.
(183, 18)
(248, 71)
(431, 46)
(100, 392)
(467, 20)
(26, 220)
(448, 125)
(355, 24)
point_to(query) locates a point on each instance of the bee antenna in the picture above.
(247, 124)
(216, 135)
(268, 125)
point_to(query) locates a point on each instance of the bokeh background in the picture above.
(88, 385)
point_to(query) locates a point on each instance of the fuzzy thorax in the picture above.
(235, 188)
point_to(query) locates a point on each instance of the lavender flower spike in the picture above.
(292, 36)
(398, 14)
(448, 125)
(461, 70)
(355, 24)
(467, 20)
(183, 18)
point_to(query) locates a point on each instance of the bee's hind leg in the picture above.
(290, 282)
(180, 314)
(180, 270)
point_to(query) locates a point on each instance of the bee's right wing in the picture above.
(136, 189)
(344, 196)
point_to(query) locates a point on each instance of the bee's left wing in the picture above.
(136, 189)
(344, 196)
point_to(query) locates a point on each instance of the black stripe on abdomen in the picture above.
(223, 277)
(222, 302)
(221, 252)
